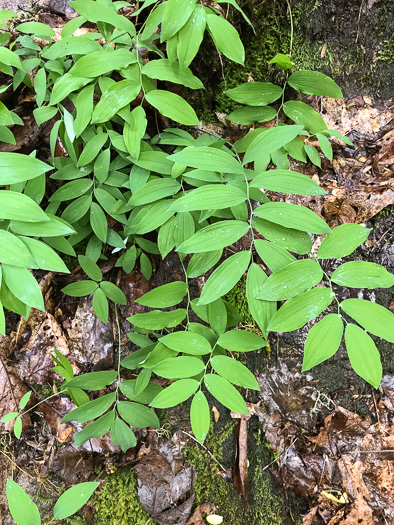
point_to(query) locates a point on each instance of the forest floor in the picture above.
(317, 447)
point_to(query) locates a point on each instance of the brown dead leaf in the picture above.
(216, 413)
(65, 434)
(12, 389)
(197, 517)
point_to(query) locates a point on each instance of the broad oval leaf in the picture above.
(175, 16)
(241, 341)
(93, 380)
(234, 371)
(163, 70)
(304, 115)
(200, 263)
(292, 216)
(98, 12)
(179, 367)
(225, 393)
(65, 85)
(80, 288)
(157, 320)
(314, 83)
(270, 140)
(15, 167)
(200, 416)
(343, 241)
(274, 257)
(52, 227)
(296, 312)
(73, 499)
(292, 280)
(288, 238)
(225, 277)
(286, 181)
(45, 257)
(251, 114)
(13, 251)
(209, 197)
(214, 237)
(255, 93)
(323, 341)
(154, 190)
(190, 37)
(150, 217)
(175, 393)
(23, 285)
(122, 435)
(164, 296)
(100, 305)
(101, 62)
(22, 508)
(226, 38)
(362, 274)
(187, 342)
(72, 190)
(373, 317)
(20, 207)
(150, 392)
(206, 158)
(115, 98)
(363, 355)
(172, 106)
(139, 416)
(261, 311)
(90, 410)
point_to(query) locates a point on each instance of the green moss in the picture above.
(117, 503)
(266, 505)
(237, 297)
(386, 51)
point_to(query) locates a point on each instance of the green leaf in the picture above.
(296, 312)
(73, 499)
(154, 161)
(93, 380)
(270, 141)
(200, 416)
(113, 293)
(206, 158)
(15, 167)
(255, 93)
(176, 393)
(90, 268)
(90, 410)
(286, 181)
(150, 217)
(296, 150)
(190, 37)
(22, 508)
(179, 367)
(373, 317)
(122, 435)
(51, 227)
(273, 256)
(13, 251)
(102, 62)
(23, 285)
(288, 238)
(84, 107)
(72, 190)
(241, 341)
(362, 274)
(363, 355)
(217, 316)
(210, 197)
(80, 288)
(158, 354)
(9, 417)
(115, 98)
(9, 58)
(325, 146)
(43, 114)
(226, 38)
(96, 429)
(164, 296)
(98, 222)
(18, 427)
(92, 148)
(292, 280)
(25, 399)
(283, 61)
(234, 371)
(323, 341)
(343, 241)
(137, 358)
(314, 83)
(225, 277)
(45, 257)
(137, 415)
(200, 263)
(251, 114)
(187, 342)
(304, 115)
(98, 12)
(313, 155)
(292, 216)
(261, 311)
(150, 392)
(163, 70)
(154, 190)
(172, 106)
(176, 14)
(225, 393)
(20, 207)
(100, 305)
(134, 130)
(65, 85)
(37, 28)
(72, 45)
(214, 237)
(157, 320)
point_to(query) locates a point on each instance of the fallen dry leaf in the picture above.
(12, 389)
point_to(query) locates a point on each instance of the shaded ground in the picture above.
(319, 445)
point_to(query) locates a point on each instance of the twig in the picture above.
(280, 455)
(205, 448)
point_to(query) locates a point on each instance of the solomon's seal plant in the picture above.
(126, 172)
